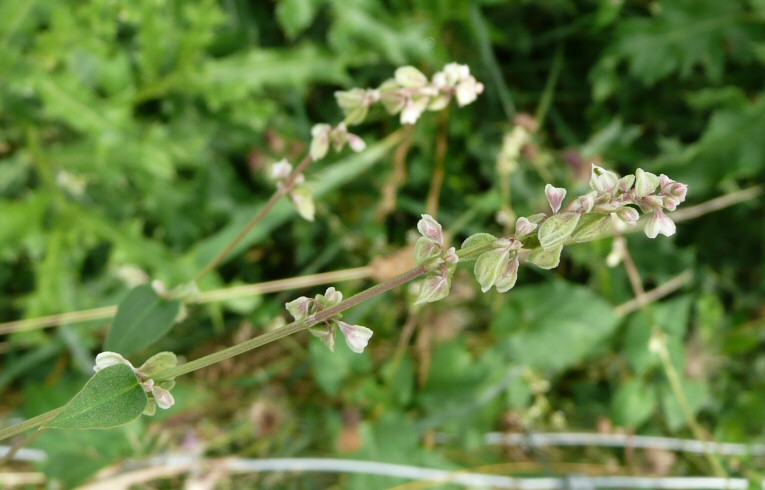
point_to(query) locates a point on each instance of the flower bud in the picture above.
(413, 109)
(302, 198)
(645, 183)
(450, 256)
(281, 170)
(524, 227)
(319, 141)
(356, 143)
(108, 359)
(325, 333)
(162, 397)
(356, 336)
(555, 196)
(628, 215)
(331, 297)
(431, 229)
(603, 180)
(299, 308)
(626, 182)
(509, 277)
(467, 91)
(659, 223)
(434, 287)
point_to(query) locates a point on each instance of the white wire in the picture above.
(576, 482)
(623, 440)
(25, 454)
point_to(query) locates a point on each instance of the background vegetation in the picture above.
(135, 141)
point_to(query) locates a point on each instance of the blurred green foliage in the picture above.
(135, 139)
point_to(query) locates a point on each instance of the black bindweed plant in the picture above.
(118, 392)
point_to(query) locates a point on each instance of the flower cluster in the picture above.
(410, 93)
(583, 219)
(324, 134)
(356, 336)
(300, 194)
(431, 252)
(160, 395)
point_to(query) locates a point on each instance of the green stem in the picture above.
(306, 323)
(289, 329)
(29, 424)
(677, 389)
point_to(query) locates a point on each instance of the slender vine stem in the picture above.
(278, 193)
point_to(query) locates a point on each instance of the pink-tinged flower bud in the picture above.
(645, 183)
(431, 229)
(356, 336)
(356, 143)
(583, 204)
(555, 196)
(524, 227)
(649, 203)
(626, 182)
(163, 397)
(434, 287)
(450, 256)
(603, 180)
(455, 73)
(467, 91)
(281, 170)
(628, 215)
(332, 297)
(659, 223)
(507, 281)
(411, 77)
(413, 109)
(671, 203)
(320, 141)
(299, 308)
(325, 333)
(108, 359)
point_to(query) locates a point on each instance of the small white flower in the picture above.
(659, 223)
(356, 336)
(333, 296)
(281, 170)
(163, 397)
(467, 91)
(320, 141)
(108, 359)
(356, 143)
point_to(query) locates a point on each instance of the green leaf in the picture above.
(142, 319)
(591, 227)
(489, 267)
(474, 241)
(633, 403)
(554, 326)
(112, 397)
(296, 15)
(545, 258)
(556, 229)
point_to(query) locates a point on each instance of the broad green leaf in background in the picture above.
(633, 403)
(112, 397)
(142, 319)
(554, 326)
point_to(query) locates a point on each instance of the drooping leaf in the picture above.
(545, 258)
(142, 319)
(112, 397)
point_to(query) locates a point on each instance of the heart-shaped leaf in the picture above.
(112, 397)
(142, 319)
